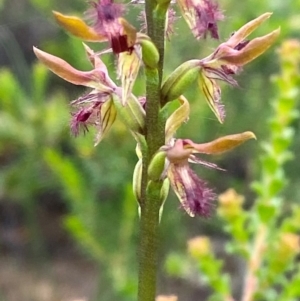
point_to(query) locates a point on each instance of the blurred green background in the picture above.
(68, 219)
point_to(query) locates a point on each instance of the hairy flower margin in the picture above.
(193, 193)
(201, 16)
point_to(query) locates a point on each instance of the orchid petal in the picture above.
(201, 16)
(178, 153)
(128, 68)
(166, 298)
(219, 145)
(94, 58)
(218, 71)
(252, 50)
(129, 31)
(99, 66)
(107, 117)
(194, 195)
(212, 93)
(94, 79)
(64, 69)
(177, 118)
(78, 28)
(196, 160)
(246, 30)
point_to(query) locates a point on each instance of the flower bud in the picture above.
(164, 192)
(132, 114)
(137, 180)
(180, 80)
(150, 53)
(157, 166)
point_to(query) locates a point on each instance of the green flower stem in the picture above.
(149, 241)
(150, 202)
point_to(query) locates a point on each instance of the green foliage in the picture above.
(21, 114)
(34, 139)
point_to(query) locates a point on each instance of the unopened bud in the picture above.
(163, 196)
(137, 180)
(165, 190)
(132, 114)
(158, 190)
(157, 166)
(150, 53)
(180, 80)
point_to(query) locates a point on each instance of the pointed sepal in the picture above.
(212, 94)
(251, 51)
(78, 28)
(219, 145)
(242, 33)
(67, 72)
(128, 68)
(177, 118)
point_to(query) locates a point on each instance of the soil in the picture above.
(61, 279)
